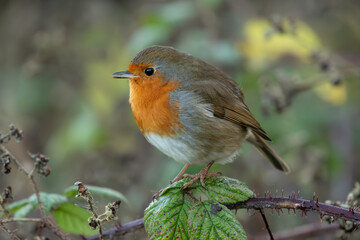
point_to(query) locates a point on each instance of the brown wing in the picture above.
(228, 102)
(241, 117)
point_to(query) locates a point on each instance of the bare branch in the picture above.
(46, 221)
(11, 233)
(11, 220)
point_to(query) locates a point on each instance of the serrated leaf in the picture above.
(101, 191)
(166, 218)
(73, 219)
(211, 220)
(225, 190)
(221, 189)
(23, 207)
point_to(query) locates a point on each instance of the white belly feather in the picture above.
(172, 147)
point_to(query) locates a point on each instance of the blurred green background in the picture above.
(56, 61)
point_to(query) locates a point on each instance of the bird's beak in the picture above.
(124, 74)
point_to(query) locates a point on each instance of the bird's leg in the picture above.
(177, 178)
(181, 173)
(200, 176)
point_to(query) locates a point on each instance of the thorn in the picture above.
(317, 202)
(298, 194)
(281, 210)
(265, 194)
(278, 211)
(313, 196)
(270, 195)
(294, 211)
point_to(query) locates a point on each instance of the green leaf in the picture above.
(166, 218)
(225, 190)
(101, 191)
(172, 216)
(24, 210)
(73, 219)
(221, 189)
(51, 200)
(23, 207)
(15, 206)
(211, 220)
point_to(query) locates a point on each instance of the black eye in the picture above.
(149, 71)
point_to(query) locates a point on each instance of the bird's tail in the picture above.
(268, 153)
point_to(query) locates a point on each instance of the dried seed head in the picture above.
(5, 163)
(93, 223)
(16, 132)
(40, 164)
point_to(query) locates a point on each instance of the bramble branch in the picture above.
(278, 204)
(121, 230)
(292, 203)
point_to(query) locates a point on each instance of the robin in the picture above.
(192, 111)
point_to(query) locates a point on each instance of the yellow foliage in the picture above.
(263, 45)
(335, 95)
(102, 90)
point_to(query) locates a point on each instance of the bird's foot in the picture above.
(200, 176)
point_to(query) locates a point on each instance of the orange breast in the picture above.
(150, 103)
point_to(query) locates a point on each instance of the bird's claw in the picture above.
(199, 176)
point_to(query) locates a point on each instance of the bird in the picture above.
(192, 111)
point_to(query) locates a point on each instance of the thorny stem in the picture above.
(293, 203)
(122, 230)
(279, 203)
